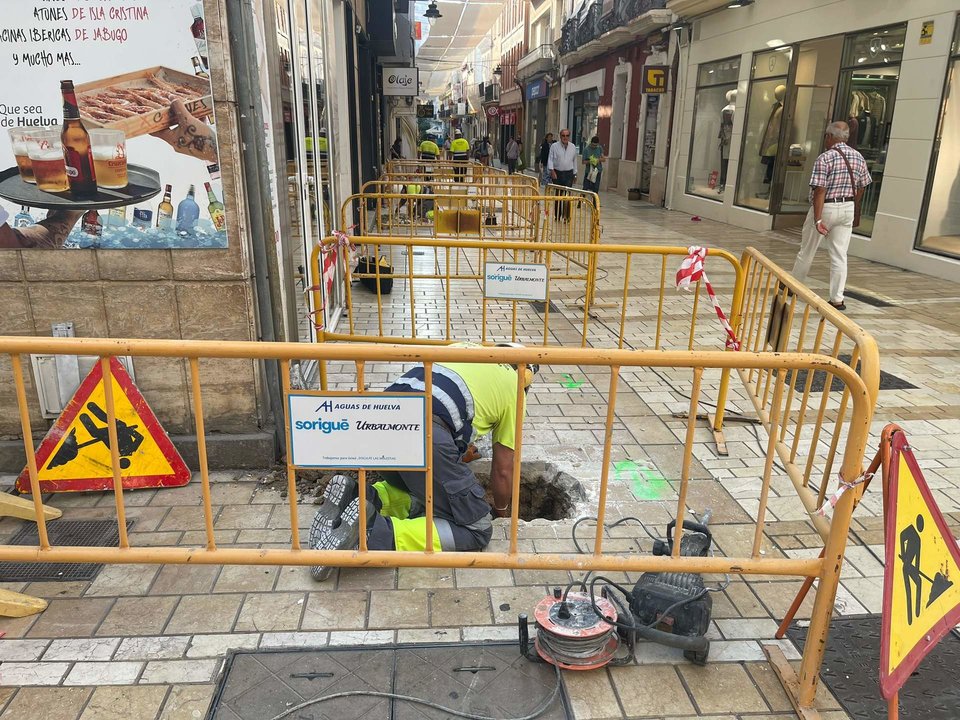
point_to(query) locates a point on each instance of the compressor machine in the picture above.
(579, 630)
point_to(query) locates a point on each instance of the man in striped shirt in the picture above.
(469, 399)
(839, 176)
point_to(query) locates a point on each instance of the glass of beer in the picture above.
(109, 157)
(46, 156)
(19, 138)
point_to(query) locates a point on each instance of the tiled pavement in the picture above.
(147, 642)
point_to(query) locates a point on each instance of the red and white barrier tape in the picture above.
(832, 501)
(691, 270)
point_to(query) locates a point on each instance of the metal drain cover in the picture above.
(73, 533)
(489, 679)
(851, 671)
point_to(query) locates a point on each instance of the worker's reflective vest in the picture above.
(452, 401)
(428, 148)
(413, 189)
(460, 149)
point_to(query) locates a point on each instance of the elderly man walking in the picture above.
(839, 176)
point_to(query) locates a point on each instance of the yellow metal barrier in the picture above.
(606, 369)
(443, 167)
(438, 295)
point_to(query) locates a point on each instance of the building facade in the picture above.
(759, 84)
(603, 48)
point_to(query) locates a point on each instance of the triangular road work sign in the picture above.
(921, 585)
(75, 454)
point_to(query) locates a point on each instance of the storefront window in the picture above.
(713, 113)
(584, 115)
(868, 88)
(940, 225)
(761, 141)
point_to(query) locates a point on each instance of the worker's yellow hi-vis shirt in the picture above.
(460, 146)
(430, 147)
(494, 391)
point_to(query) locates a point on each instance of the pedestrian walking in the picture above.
(593, 159)
(562, 164)
(485, 151)
(514, 148)
(839, 177)
(544, 156)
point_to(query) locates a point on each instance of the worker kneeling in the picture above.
(468, 399)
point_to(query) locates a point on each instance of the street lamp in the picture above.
(432, 12)
(498, 71)
(739, 3)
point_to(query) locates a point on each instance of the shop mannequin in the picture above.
(771, 136)
(725, 136)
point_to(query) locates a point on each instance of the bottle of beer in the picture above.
(165, 211)
(198, 68)
(77, 149)
(215, 208)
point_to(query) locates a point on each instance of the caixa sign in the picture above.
(400, 80)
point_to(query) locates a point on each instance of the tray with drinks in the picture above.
(142, 184)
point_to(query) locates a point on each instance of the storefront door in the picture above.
(808, 111)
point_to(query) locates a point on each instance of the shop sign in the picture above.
(537, 90)
(493, 110)
(402, 81)
(508, 118)
(926, 32)
(655, 78)
(461, 108)
(140, 167)
(515, 281)
(425, 110)
(358, 431)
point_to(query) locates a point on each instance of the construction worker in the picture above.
(460, 150)
(468, 399)
(429, 150)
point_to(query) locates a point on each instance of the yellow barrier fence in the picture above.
(437, 294)
(611, 373)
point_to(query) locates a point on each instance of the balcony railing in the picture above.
(541, 59)
(491, 92)
(589, 25)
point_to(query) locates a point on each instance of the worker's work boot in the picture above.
(336, 496)
(344, 534)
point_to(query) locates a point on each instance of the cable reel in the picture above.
(570, 633)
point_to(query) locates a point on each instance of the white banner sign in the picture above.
(515, 281)
(358, 431)
(401, 81)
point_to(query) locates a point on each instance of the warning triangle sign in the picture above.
(921, 585)
(75, 454)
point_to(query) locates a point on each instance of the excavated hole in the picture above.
(545, 491)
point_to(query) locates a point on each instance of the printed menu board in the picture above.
(107, 130)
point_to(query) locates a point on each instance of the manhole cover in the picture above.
(887, 380)
(850, 670)
(490, 680)
(545, 491)
(72, 533)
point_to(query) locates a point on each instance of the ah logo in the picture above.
(325, 407)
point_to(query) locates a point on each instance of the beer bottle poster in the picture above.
(119, 89)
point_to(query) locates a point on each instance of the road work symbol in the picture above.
(913, 576)
(647, 482)
(75, 455)
(128, 439)
(570, 382)
(921, 596)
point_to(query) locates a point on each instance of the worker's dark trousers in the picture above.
(565, 178)
(458, 499)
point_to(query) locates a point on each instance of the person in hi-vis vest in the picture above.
(469, 399)
(460, 151)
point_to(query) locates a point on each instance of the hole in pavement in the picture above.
(545, 491)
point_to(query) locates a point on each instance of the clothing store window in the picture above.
(714, 108)
(868, 88)
(761, 139)
(583, 117)
(940, 223)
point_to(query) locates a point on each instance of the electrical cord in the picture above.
(425, 703)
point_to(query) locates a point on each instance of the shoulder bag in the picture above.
(853, 184)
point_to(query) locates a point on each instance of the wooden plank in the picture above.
(13, 506)
(14, 604)
(788, 678)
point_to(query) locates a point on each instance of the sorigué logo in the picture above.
(324, 426)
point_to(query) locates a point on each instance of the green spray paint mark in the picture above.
(570, 382)
(648, 484)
